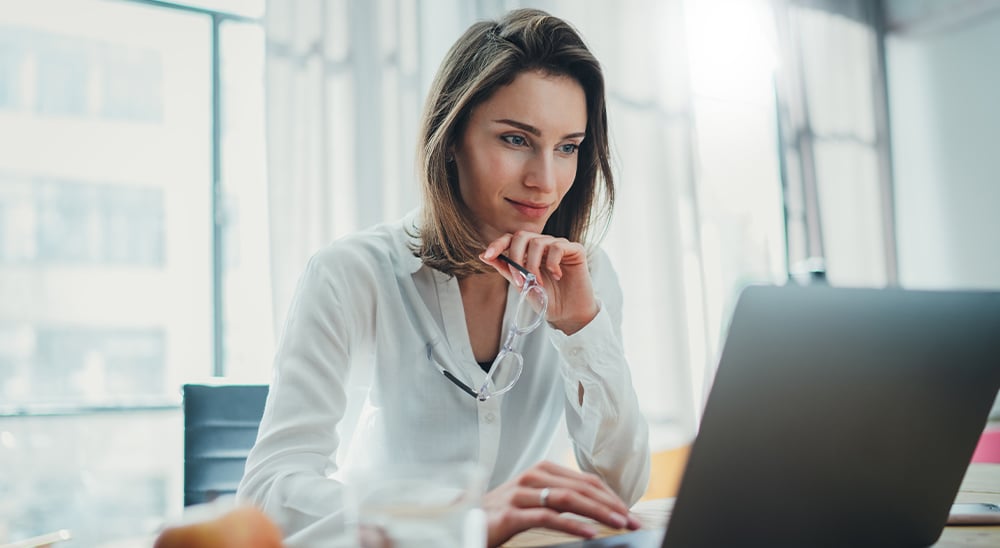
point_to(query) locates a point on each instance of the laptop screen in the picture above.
(826, 405)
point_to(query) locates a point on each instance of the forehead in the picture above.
(552, 103)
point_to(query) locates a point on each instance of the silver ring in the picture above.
(543, 497)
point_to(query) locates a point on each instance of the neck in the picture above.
(483, 284)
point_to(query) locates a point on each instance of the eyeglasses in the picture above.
(507, 366)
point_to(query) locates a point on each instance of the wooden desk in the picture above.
(981, 484)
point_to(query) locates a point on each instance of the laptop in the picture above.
(838, 417)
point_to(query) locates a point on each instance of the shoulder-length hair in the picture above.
(489, 56)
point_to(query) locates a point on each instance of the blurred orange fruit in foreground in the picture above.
(244, 527)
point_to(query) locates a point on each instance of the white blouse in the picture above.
(366, 306)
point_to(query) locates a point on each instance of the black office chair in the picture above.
(220, 427)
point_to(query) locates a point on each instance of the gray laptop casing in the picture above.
(838, 417)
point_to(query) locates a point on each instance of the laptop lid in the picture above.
(840, 417)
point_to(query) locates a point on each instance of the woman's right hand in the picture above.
(519, 504)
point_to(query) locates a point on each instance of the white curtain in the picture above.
(345, 85)
(343, 95)
(836, 147)
(653, 240)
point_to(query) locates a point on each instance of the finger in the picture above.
(553, 260)
(597, 504)
(496, 247)
(551, 519)
(535, 253)
(574, 502)
(587, 484)
(491, 256)
(500, 266)
(517, 249)
(573, 253)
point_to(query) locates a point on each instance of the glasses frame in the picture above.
(507, 348)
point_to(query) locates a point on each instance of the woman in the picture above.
(515, 169)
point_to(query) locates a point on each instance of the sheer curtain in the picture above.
(343, 95)
(834, 122)
(654, 239)
(699, 210)
(691, 107)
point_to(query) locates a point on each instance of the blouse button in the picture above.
(489, 418)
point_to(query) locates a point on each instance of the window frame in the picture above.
(218, 18)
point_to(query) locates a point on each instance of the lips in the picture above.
(529, 209)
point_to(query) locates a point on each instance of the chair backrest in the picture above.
(220, 428)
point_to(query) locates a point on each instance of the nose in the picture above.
(541, 172)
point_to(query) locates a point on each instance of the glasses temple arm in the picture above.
(507, 260)
(447, 374)
(459, 383)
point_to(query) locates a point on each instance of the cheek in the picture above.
(490, 172)
(566, 177)
(496, 166)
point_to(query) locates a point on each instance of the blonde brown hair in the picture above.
(486, 58)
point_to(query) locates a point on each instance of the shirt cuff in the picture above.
(593, 358)
(594, 350)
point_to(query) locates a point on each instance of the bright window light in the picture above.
(247, 8)
(731, 49)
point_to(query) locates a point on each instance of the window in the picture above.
(106, 205)
(698, 205)
(132, 198)
(247, 344)
(738, 200)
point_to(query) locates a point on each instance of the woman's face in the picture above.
(518, 155)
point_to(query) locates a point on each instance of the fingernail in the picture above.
(589, 531)
(489, 253)
(633, 521)
(482, 257)
(618, 520)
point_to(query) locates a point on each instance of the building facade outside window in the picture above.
(128, 129)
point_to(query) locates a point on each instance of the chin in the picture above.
(527, 227)
(493, 230)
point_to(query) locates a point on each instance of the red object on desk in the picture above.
(988, 449)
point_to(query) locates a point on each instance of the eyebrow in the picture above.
(535, 131)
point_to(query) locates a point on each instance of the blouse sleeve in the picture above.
(609, 432)
(287, 469)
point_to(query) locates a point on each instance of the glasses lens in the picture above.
(531, 309)
(504, 373)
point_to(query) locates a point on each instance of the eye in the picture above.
(515, 140)
(569, 148)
